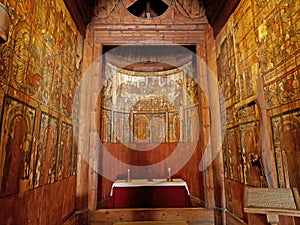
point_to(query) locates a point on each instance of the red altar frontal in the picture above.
(147, 194)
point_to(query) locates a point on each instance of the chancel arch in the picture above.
(153, 100)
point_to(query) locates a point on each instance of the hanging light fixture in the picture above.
(4, 23)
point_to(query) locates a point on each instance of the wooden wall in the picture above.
(39, 69)
(258, 69)
(189, 172)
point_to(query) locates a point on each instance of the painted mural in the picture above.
(16, 147)
(39, 67)
(66, 157)
(149, 107)
(258, 43)
(287, 147)
(45, 163)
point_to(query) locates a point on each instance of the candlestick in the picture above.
(128, 175)
(169, 174)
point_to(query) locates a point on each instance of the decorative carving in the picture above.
(148, 8)
(105, 8)
(190, 8)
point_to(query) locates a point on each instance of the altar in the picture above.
(156, 193)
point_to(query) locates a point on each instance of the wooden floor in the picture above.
(147, 216)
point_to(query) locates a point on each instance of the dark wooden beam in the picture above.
(218, 12)
(81, 12)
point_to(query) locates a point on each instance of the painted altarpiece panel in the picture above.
(191, 129)
(174, 127)
(140, 102)
(16, 147)
(105, 125)
(121, 127)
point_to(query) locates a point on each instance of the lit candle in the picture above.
(169, 172)
(128, 175)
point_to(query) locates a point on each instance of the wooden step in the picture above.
(191, 216)
(151, 223)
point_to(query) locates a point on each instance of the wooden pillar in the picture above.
(87, 131)
(94, 139)
(82, 142)
(218, 115)
(205, 128)
(268, 154)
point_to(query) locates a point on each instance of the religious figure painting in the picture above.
(283, 91)
(57, 86)
(45, 162)
(253, 170)
(233, 155)
(175, 129)
(27, 60)
(65, 159)
(67, 94)
(149, 107)
(121, 127)
(286, 133)
(47, 75)
(16, 147)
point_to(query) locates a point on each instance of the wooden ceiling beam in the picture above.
(227, 10)
(218, 12)
(81, 12)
